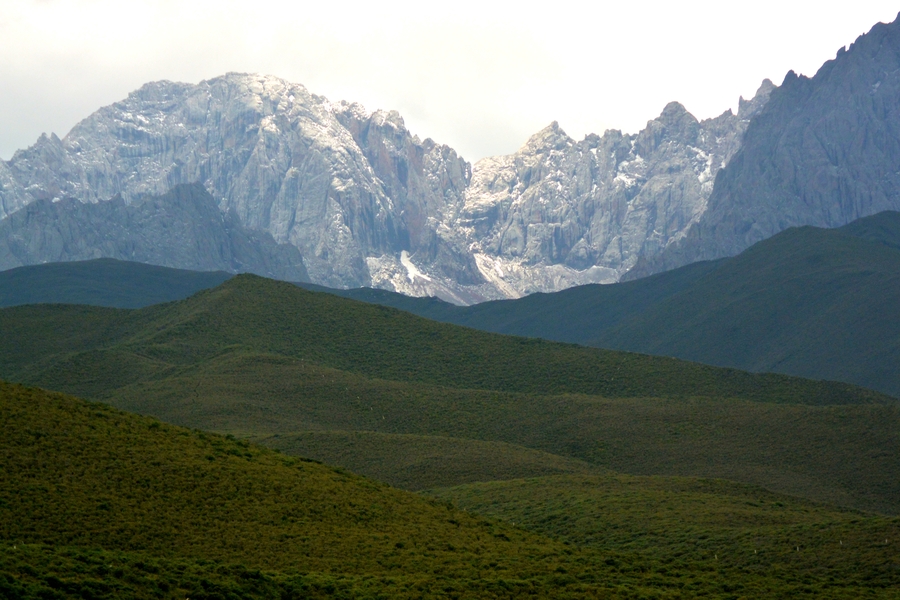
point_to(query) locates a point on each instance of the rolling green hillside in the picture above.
(96, 503)
(417, 462)
(249, 314)
(256, 358)
(807, 302)
(81, 479)
(678, 522)
(102, 282)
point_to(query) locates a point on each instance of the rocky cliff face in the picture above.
(266, 149)
(824, 151)
(560, 213)
(367, 203)
(183, 228)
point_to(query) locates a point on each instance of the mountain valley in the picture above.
(256, 343)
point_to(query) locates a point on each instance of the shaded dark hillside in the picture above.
(248, 314)
(102, 282)
(811, 302)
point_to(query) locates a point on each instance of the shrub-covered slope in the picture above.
(92, 479)
(96, 503)
(417, 462)
(678, 522)
(811, 302)
(255, 315)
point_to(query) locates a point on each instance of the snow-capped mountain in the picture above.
(369, 204)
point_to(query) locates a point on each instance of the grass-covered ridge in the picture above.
(255, 358)
(256, 315)
(808, 301)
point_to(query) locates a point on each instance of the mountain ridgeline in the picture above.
(821, 152)
(365, 202)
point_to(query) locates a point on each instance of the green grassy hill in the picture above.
(96, 503)
(417, 462)
(249, 314)
(676, 522)
(256, 358)
(102, 282)
(80, 480)
(810, 302)
(807, 302)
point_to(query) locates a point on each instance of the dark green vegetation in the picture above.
(417, 462)
(809, 302)
(675, 522)
(256, 358)
(817, 303)
(102, 282)
(101, 502)
(96, 503)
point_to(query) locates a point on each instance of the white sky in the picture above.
(480, 76)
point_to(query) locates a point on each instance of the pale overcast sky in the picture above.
(480, 76)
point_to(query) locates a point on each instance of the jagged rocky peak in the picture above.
(822, 151)
(748, 108)
(366, 202)
(674, 125)
(550, 137)
(559, 212)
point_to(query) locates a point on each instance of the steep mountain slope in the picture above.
(102, 282)
(368, 203)
(279, 157)
(822, 152)
(182, 228)
(260, 358)
(559, 213)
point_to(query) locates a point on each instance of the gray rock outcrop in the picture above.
(183, 228)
